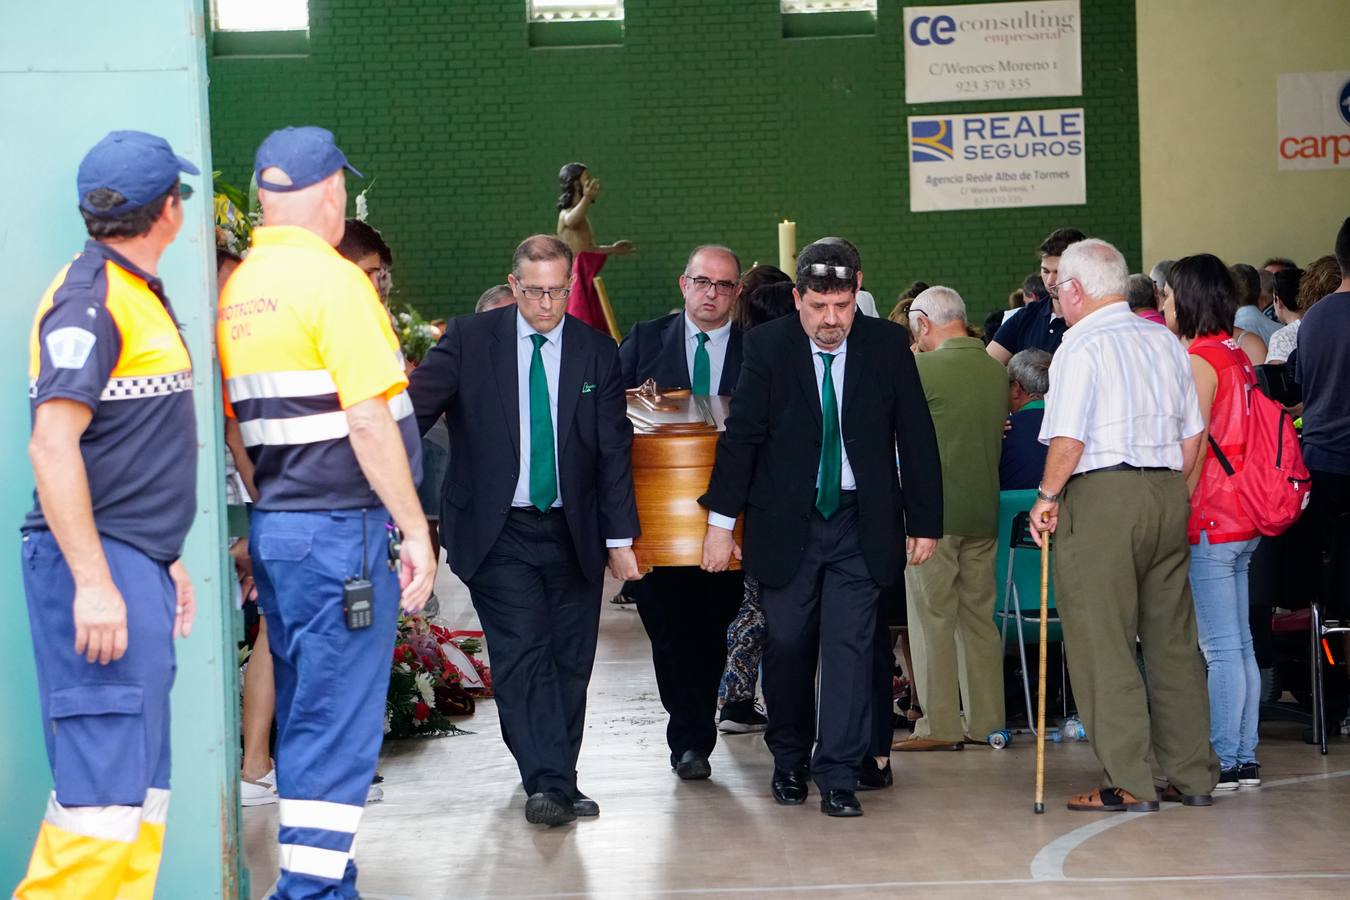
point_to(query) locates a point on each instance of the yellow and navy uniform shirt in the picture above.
(302, 337)
(106, 336)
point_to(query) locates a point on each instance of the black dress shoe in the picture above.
(584, 806)
(549, 808)
(841, 804)
(872, 777)
(789, 788)
(691, 766)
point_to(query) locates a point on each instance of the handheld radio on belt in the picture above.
(358, 594)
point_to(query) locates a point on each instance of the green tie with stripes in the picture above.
(543, 471)
(831, 450)
(702, 366)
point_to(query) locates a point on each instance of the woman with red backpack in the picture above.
(1199, 305)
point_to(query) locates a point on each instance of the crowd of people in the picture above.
(868, 458)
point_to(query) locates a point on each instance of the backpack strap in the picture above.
(1219, 455)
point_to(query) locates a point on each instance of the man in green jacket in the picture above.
(951, 600)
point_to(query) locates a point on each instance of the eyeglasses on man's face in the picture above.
(537, 293)
(701, 283)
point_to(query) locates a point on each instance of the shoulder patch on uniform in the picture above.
(70, 347)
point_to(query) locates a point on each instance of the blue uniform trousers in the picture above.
(331, 684)
(106, 728)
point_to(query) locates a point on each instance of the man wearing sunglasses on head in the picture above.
(826, 401)
(686, 611)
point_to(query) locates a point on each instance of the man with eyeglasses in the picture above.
(957, 652)
(826, 401)
(538, 497)
(114, 451)
(1040, 325)
(684, 610)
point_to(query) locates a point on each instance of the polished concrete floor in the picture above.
(955, 825)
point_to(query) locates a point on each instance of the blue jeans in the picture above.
(1219, 584)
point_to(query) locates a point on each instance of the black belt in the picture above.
(534, 512)
(1126, 467)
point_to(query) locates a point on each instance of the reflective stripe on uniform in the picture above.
(106, 823)
(320, 814)
(313, 861)
(147, 386)
(329, 426)
(302, 383)
(155, 810)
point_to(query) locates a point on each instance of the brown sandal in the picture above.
(1110, 800)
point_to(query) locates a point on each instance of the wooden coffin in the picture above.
(674, 445)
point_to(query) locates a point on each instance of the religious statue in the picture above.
(579, 192)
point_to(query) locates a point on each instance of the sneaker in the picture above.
(255, 793)
(742, 717)
(1228, 780)
(375, 794)
(1249, 774)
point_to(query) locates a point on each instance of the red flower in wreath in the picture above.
(421, 711)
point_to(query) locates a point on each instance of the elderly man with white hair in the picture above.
(1123, 422)
(951, 599)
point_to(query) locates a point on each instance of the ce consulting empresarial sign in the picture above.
(995, 51)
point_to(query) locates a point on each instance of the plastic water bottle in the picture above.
(1073, 729)
(1055, 736)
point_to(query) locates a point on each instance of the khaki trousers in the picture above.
(955, 645)
(1121, 560)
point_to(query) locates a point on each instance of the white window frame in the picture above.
(794, 7)
(254, 26)
(574, 10)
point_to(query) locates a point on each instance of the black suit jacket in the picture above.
(470, 376)
(768, 457)
(655, 350)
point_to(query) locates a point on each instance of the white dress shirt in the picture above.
(551, 353)
(1123, 387)
(717, 351)
(846, 479)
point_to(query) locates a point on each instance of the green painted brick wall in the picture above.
(706, 125)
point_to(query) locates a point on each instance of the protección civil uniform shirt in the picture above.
(105, 336)
(302, 337)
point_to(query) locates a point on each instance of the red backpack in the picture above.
(1273, 485)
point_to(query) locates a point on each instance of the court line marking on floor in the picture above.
(953, 883)
(1048, 864)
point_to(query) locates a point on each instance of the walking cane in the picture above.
(1039, 806)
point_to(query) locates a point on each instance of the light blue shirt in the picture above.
(846, 480)
(551, 354)
(1249, 318)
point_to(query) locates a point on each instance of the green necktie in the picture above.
(543, 472)
(831, 451)
(702, 366)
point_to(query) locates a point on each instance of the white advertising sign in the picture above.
(1314, 120)
(988, 160)
(990, 50)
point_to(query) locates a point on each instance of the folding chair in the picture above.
(1019, 570)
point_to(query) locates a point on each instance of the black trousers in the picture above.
(828, 614)
(1329, 510)
(686, 612)
(883, 690)
(541, 617)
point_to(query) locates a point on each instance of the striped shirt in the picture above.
(303, 337)
(1123, 387)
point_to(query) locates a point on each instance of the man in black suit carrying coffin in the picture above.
(538, 496)
(684, 610)
(825, 402)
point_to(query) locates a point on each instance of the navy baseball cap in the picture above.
(139, 166)
(307, 154)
